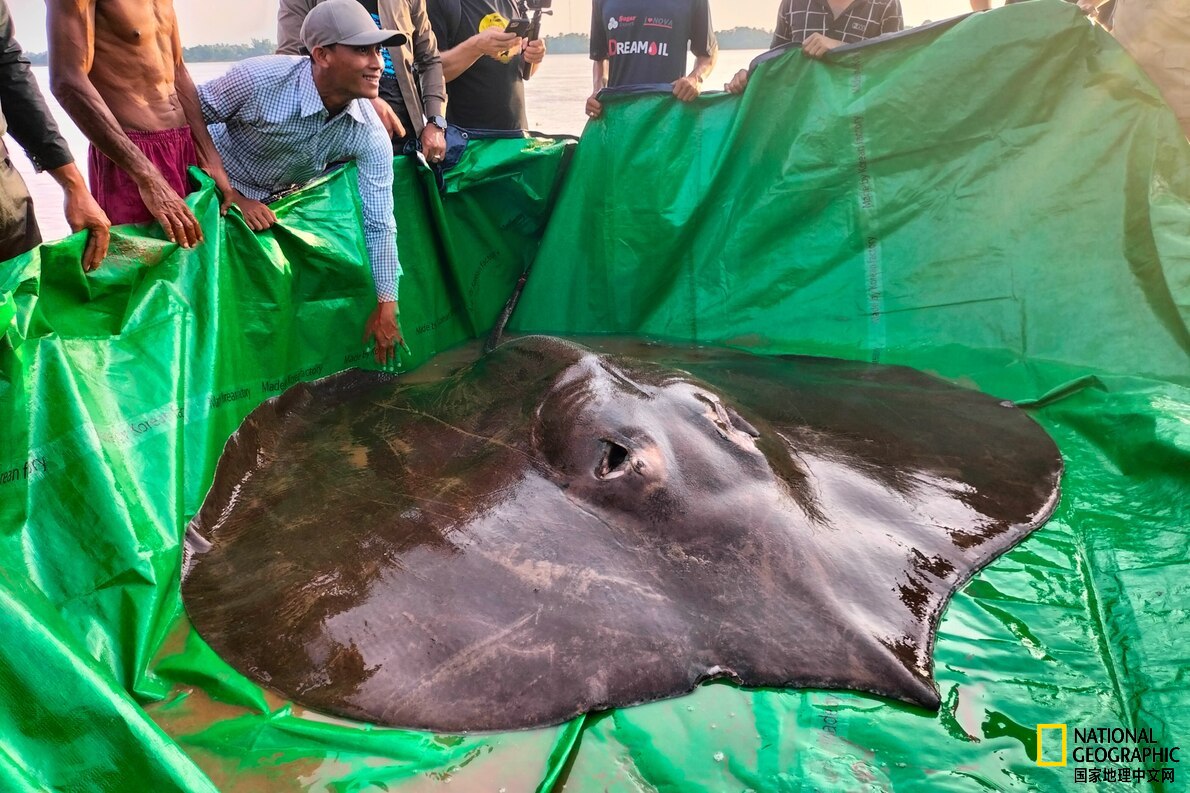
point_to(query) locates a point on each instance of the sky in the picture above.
(209, 21)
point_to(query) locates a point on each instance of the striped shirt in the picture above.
(273, 132)
(863, 19)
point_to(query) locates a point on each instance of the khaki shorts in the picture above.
(18, 226)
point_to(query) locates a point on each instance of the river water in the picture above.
(555, 98)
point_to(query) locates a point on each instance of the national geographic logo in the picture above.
(1113, 754)
(1051, 729)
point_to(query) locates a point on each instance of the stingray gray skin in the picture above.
(551, 531)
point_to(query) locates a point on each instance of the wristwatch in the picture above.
(438, 121)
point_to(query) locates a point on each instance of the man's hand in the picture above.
(494, 42)
(738, 83)
(383, 326)
(389, 118)
(433, 143)
(687, 88)
(534, 51)
(1089, 7)
(171, 211)
(816, 45)
(258, 216)
(83, 212)
(594, 107)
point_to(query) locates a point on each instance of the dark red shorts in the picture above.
(171, 150)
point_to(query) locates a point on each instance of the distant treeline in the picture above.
(734, 39)
(203, 53)
(744, 39)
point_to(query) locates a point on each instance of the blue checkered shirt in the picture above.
(273, 132)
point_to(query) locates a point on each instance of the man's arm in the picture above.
(689, 87)
(817, 45)
(598, 83)
(290, 15)
(208, 156)
(373, 156)
(533, 53)
(428, 60)
(433, 81)
(220, 100)
(492, 42)
(445, 17)
(706, 51)
(83, 212)
(599, 65)
(598, 76)
(703, 65)
(29, 120)
(258, 216)
(71, 28)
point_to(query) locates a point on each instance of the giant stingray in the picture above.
(551, 531)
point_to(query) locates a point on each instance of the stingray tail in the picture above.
(502, 321)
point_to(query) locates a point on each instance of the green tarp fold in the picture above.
(1002, 200)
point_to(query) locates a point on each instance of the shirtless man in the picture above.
(116, 68)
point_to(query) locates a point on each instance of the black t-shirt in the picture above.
(644, 41)
(490, 94)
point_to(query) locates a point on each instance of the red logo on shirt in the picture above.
(641, 47)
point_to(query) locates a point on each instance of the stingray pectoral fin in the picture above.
(875, 666)
(908, 684)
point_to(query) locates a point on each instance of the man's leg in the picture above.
(171, 150)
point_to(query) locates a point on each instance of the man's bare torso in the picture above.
(134, 68)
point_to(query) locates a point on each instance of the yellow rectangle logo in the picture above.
(1041, 728)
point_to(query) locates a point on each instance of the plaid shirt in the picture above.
(863, 19)
(273, 132)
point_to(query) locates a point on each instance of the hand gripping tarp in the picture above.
(1004, 201)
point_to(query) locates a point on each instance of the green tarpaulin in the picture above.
(1003, 201)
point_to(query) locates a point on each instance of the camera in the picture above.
(538, 5)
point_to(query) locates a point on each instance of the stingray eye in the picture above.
(614, 462)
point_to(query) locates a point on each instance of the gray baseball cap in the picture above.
(345, 22)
